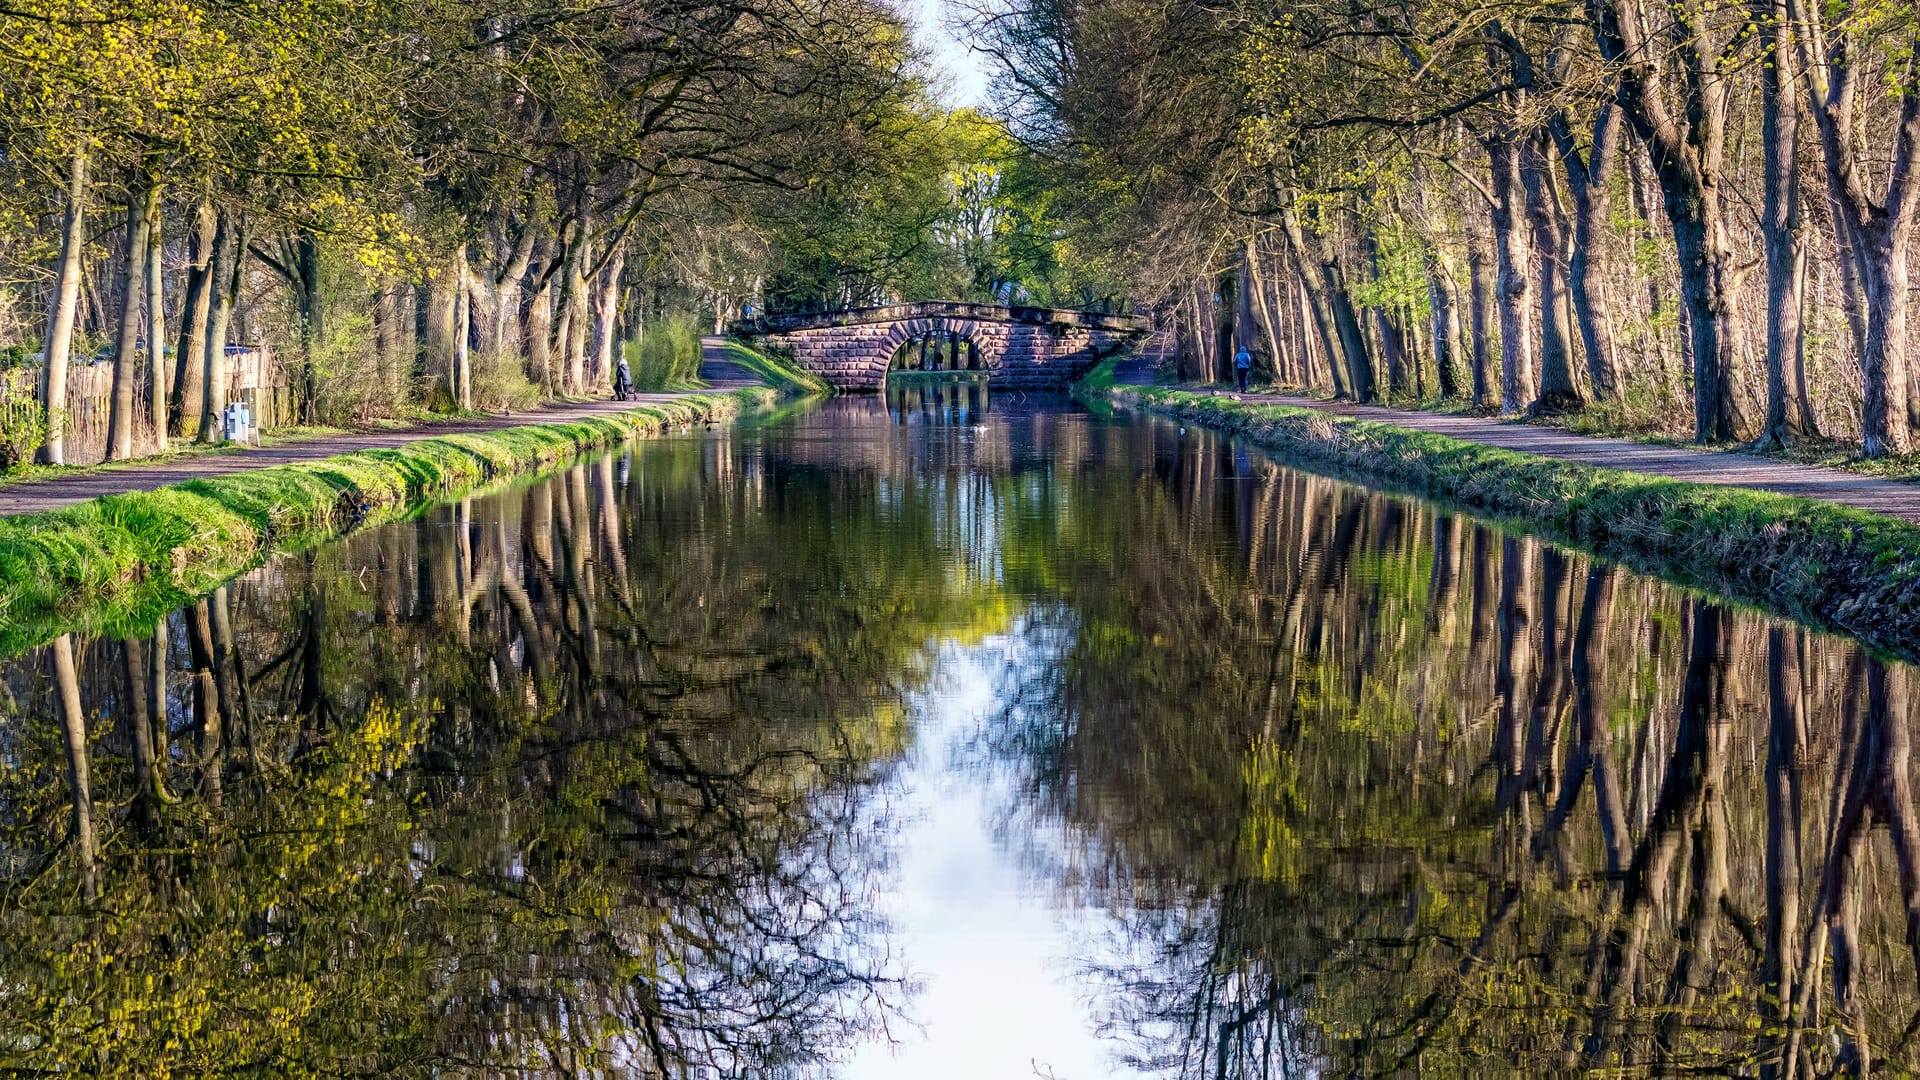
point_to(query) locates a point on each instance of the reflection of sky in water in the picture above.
(990, 948)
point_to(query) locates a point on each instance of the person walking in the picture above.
(1242, 368)
(622, 381)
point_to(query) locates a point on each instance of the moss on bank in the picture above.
(116, 562)
(1822, 563)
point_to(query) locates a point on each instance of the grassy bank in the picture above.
(1825, 564)
(776, 370)
(117, 562)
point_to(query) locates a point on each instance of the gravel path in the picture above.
(1891, 497)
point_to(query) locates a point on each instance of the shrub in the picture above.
(23, 427)
(499, 381)
(349, 385)
(668, 354)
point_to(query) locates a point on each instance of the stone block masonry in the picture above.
(1019, 348)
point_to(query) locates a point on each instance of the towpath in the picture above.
(35, 496)
(1894, 498)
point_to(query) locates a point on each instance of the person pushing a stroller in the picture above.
(622, 381)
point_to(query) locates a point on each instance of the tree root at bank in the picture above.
(1828, 565)
(114, 564)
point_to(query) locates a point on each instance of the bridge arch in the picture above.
(1019, 347)
(984, 348)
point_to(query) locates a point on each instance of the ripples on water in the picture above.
(1038, 742)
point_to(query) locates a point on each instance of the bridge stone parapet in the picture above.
(1018, 347)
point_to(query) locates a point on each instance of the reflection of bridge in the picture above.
(1037, 348)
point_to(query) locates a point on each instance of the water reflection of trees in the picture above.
(1368, 788)
(581, 777)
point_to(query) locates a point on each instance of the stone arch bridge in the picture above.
(1018, 347)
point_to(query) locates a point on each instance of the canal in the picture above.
(947, 736)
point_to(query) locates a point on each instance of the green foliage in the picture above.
(499, 381)
(1399, 281)
(23, 428)
(667, 356)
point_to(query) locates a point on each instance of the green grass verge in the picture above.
(112, 565)
(777, 370)
(1829, 565)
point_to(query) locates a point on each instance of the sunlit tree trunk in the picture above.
(142, 211)
(1789, 416)
(1260, 288)
(189, 353)
(606, 314)
(461, 381)
(156, 326)
(1313, 282)
(1558, 392)
(1589, 177)
(229, 266)
(64, 309)
(443, 326)
(1513, 291)
(1688, 151)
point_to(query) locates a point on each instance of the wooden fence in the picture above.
(253, 376)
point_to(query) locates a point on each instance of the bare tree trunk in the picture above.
(1588, 180)
(141, 212)
(1314, 282)
(574, 317)
(1513, 292)
(1259, 287)
(1557, 390)
(443, 325)
(1688, 150)
(462, 381)
(66, 303)
(1877, 236)
(1789, 419)
(197, 305)
(1445, 320)
(1353, 342)
(156, 326)
(229, 264)
(606, 318)
(1479, 299)
(1306, 343)
(540, 335)
(390, 330)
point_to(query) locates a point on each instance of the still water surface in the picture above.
(939, 737)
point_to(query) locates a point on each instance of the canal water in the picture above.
(947, 736)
